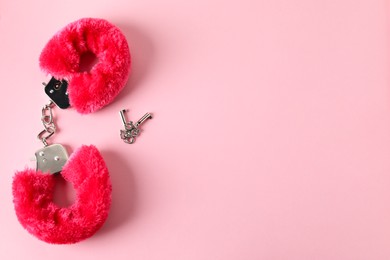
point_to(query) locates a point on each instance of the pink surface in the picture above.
(271, 135)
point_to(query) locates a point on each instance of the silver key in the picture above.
(131, 130)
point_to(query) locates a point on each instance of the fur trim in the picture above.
(89, 90)
(33, 199)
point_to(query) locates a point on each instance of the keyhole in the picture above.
(57, 85)
(87, 60)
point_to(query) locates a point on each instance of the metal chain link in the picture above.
(48, 123)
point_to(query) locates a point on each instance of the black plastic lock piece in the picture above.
(57, 90)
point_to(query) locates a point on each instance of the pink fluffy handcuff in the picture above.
(87, 92)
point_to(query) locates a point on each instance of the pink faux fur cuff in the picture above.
(33, 199)
(92, 90)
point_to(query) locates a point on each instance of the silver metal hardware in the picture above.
(48, 123)
(143, 119)
(131, 130)
(51, 158)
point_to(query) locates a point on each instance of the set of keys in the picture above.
(131, 130)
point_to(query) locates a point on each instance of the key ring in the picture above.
(131, 130)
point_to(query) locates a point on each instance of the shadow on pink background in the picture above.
(270, 137)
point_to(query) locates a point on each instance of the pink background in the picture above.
(271, 136)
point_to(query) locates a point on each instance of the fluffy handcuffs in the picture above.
(85, 91)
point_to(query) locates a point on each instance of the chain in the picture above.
(48, 123)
